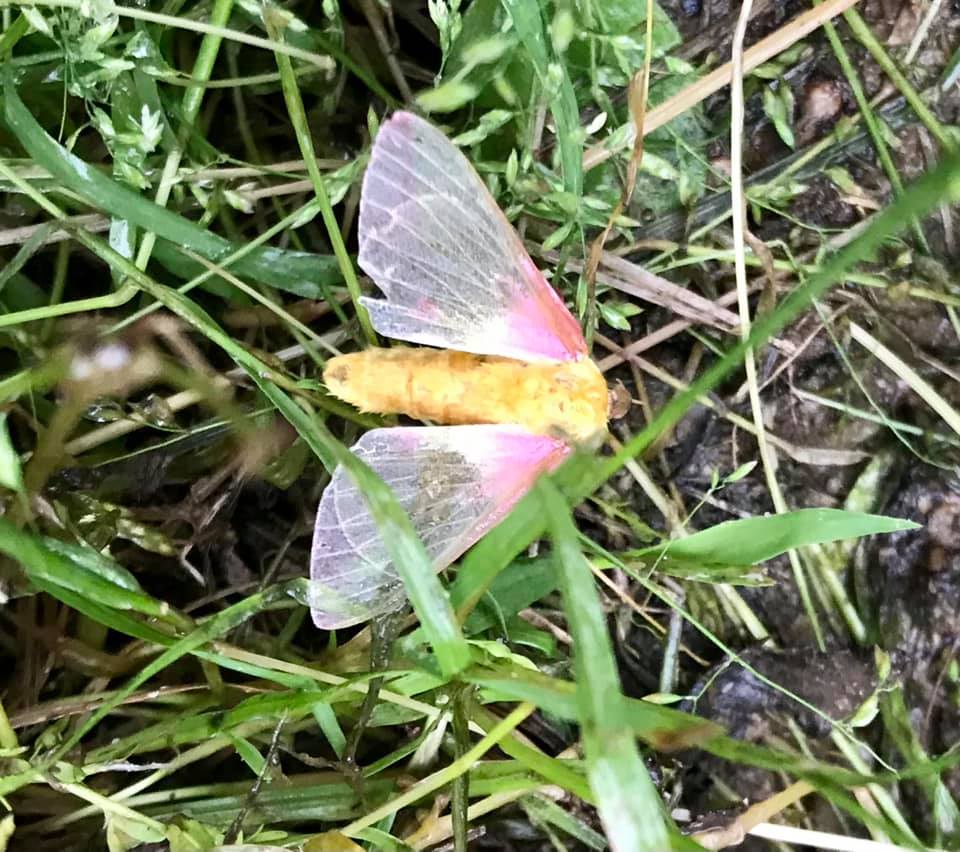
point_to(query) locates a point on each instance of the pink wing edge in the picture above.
(539, 318)
(521, 456)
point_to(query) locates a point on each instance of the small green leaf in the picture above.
(489, 123)
(663, 698)
(513, 167)
(36, 20)
(125, 833)
(842, 178)
(769, 71)
(658, 167)
(447, 96)
(778, 105)
(617, 314)
(248, 753)
(744, 470)
(866, 712)
(486, 50)
(558, 236)
(11, 474)
(330, 725)
(8, 826)
(883, 663)
(192, 836)
(497, 650)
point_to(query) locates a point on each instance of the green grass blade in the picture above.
(552, 769)
(659, 726)
(627, 799)
(298, 117)
(752, 540)
(96, 596)
(12, 34)
(114, 619)
(280, 268)
(45, 564)
(447, 774)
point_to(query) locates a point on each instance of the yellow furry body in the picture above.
(565, 400)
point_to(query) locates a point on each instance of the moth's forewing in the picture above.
(455, 482)
(453, 270)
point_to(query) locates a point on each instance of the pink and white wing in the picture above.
(452, 268)
(455, 483)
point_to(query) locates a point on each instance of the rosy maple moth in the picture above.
(511, 378)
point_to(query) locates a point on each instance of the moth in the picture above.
(509, 378)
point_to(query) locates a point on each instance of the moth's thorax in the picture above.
(566, 400)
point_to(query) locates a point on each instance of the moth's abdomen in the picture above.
(566, 400)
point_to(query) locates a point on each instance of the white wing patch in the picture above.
(453, 270)
(455, 483)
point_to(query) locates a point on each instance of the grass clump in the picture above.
(180, 186)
